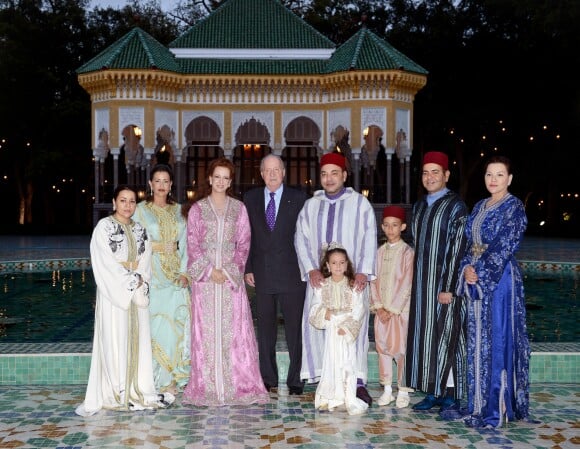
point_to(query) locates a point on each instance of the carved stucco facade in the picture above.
(151, 100)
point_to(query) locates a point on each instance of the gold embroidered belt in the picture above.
(161, 247)
(131, 266)
(477, 250)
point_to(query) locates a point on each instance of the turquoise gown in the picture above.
(170, 305)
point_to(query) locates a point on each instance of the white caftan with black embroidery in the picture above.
(121, 373)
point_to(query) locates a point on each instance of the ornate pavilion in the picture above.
(250, 79)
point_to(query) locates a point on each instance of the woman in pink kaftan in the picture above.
(224, 352)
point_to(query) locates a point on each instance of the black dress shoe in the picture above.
(271, 388)
(363, 394)
(295, 390)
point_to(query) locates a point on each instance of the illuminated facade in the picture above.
(250, 79)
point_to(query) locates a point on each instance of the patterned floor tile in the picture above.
(34, 417)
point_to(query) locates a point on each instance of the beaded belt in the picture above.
(161, 247)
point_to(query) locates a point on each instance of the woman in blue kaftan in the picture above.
(498, 350)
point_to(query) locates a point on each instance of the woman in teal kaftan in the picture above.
(170, 296)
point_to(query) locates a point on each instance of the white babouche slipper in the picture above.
(402, 400)
(385, 399)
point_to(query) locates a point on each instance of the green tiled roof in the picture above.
(135, 50)
(252, 66)
(252, 24)
(366, 51)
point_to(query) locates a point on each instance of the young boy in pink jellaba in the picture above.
(390, 294)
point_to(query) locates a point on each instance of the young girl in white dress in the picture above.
(339, 309)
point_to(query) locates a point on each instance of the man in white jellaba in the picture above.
(335, 214)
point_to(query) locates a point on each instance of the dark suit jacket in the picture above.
(272, 256)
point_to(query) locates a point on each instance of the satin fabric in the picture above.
(170, 305)
(436, 341)
(224, 353)
(391, 291)
(121, 373)
(350, 220)
(498, 349)
(338, 380)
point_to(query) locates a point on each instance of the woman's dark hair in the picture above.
(122, 187)
(497, 159)
(349, 273)
(164, 169)
(204, 188)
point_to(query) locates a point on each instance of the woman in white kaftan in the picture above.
(170, 305)
(339, 309)
(121, 373)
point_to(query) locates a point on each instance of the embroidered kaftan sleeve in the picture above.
(317, 313)
(108, 248)
(234, 269)
(199, 262)
(351, 322)
(376, 301)
(403, 281)
(181, 241)
(144, 255)
(503, 240)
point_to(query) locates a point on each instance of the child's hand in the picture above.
(341, 331)
(328, 314)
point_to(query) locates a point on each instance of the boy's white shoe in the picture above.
(386, 398)
(402, 400)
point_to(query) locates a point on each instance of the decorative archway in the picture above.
(203, 138)
(374, 164)
(252, 144)
(301, 153)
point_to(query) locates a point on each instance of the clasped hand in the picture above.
(182, 281)
(218, 276)
(470, 275)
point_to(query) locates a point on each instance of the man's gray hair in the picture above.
(274, 156)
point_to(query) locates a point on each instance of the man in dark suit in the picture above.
(272, 268)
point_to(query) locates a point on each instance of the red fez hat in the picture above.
(333, 158)
(436, 157)
(395, 211)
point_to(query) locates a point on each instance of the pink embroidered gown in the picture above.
(224, 352)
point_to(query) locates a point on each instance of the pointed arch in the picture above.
(252, 141)
(301, 153)
(203, 136)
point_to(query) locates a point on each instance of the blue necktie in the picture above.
(271, 211)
